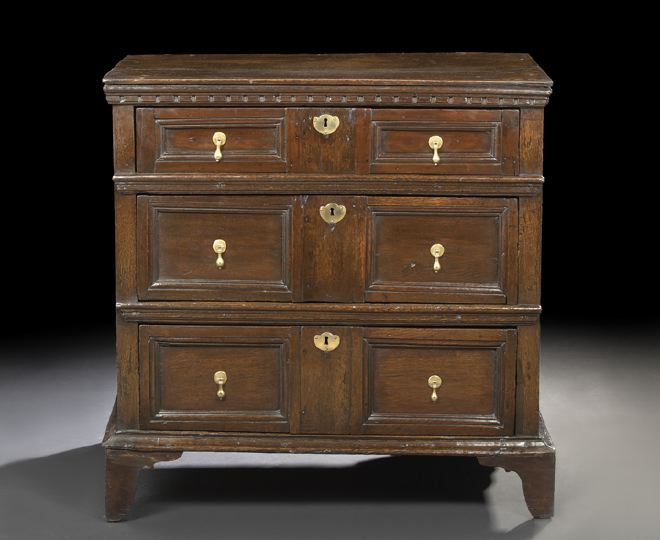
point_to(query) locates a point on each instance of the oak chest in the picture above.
(328, 254)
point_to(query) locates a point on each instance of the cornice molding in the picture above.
(532, 96)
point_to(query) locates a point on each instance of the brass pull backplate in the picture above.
(332, 212)
(326, 341)
(220, 378)
(326, 124)
(435, 143)
(437, 250)
(434, 383)
(219, 139)
(219, 246)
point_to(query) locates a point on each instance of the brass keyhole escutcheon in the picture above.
(332, 213)
(435, 143)
(325, 124)
(437, 250)
(434, 383)
(220, 378)
(326, 341)
(219, 139)
(219, 246)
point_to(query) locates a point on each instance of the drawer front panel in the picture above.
(178, 389)
(477, 380)
(177, 258)
(181, 140)
(478, 259)
(473, 141)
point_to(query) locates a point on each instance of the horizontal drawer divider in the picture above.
(323, 313)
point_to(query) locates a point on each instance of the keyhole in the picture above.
(332, 213)
(325, 122)
(326, 341)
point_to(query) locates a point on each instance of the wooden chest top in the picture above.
(395, 79)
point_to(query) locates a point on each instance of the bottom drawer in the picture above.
(438, 381)
(328, 380)
(179, 388)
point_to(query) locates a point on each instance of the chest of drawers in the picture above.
(328, 254)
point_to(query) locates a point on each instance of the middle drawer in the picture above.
(328, 249)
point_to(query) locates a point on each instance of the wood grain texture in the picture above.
(122, 468)
(123, 122)
(347, 444)
(529, 249)
(527, 387)
(479, 262)
(177, 261)
(377, 314)
(531, 141)
(177, 365)
(288, 275)
(485, 69)
(537, 473)
(125, 247)
(273, 184)
(176, 139)
(477, 368)
(326, 382)
(312, 152)
(333, 255)
(128, 394)
(474, 141)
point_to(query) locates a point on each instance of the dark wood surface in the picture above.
(479, 261)
(327, 382)
(288, 275)
(405, 68)
(121, 475)
(333, 255)
(474, 141)
(181, 140)
(177, 261)
(477, 368)
(177, 365)
(338, 152)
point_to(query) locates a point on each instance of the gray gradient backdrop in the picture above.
(599, 396)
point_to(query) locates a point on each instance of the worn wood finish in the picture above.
(288, 275)
(177, 365)
(177, 261)
(537, 473)
(326, 381)
(181, 140)
(479, 262)
(123, 120)
(474, 141)
(527, 387)
(128, 392)
(333, 255)
(346, 444)
(529, 249)
(392, 80)
(122, 468)
(313, 152)
(125, 247)
(531, 141)
(377, 314)
(477, 368)
(274, 184)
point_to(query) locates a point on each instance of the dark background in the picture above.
(600, 227)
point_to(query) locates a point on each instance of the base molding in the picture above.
(128, 452)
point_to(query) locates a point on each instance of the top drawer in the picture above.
(181, 140)
(366, 141)
(470, 141)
